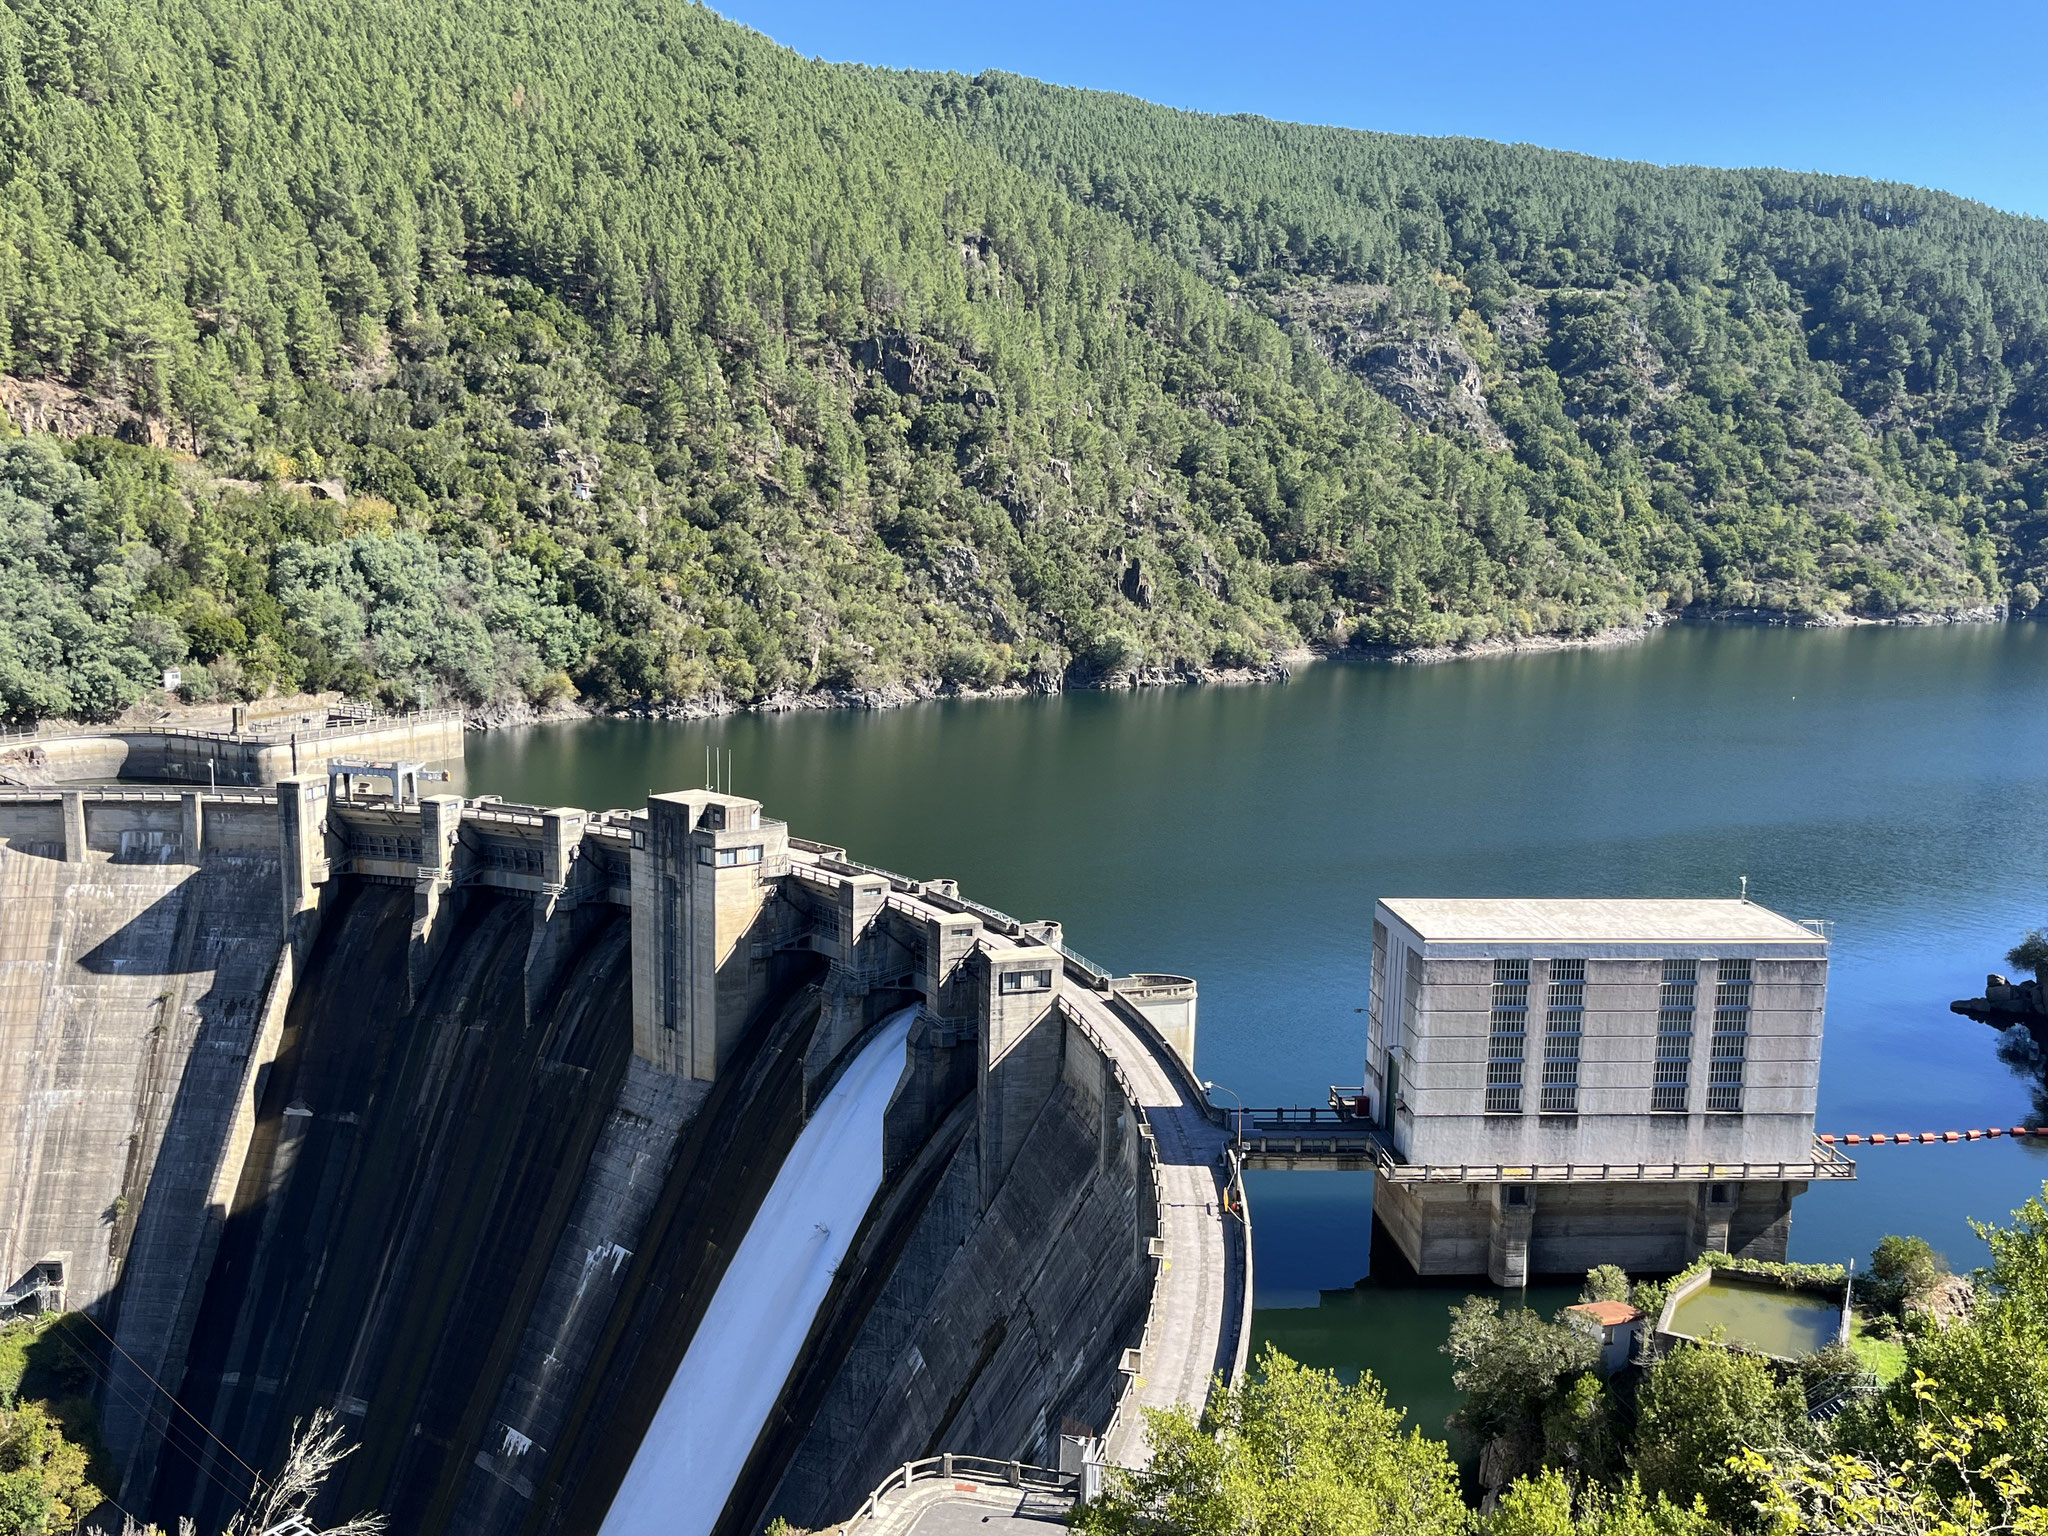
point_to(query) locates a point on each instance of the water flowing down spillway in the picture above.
(748, 1342)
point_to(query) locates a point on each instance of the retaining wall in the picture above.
(131, 1007)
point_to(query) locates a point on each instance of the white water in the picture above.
(755, 1326)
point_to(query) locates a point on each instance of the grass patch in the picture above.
(1883, 1358)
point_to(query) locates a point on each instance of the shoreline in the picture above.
(512, 715)
(1279, 670)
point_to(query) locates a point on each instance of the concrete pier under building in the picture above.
(446, 1113)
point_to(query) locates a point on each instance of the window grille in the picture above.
(1672, 1074)
(1731, 1037)
(1376, 1017)
(1561, 1034)
(1411, 1002)
(1506, 1042)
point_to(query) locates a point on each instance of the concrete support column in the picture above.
(1021, 1037)
(192, 825)
(950, 986)
(859, 939)
(302, 846)
(74, 826)
(1713, 1211)
(548, 945)
(561, 844)
(440, 832)
(859, 942)
(944, 1061)
(704, 870)
(1507, 1247)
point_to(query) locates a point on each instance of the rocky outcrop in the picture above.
(1951, 1299)
(2005, 1003)
(1420, 366)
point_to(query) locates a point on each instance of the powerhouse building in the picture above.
(1572, 1082)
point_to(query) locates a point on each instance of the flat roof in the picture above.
(1598, 921)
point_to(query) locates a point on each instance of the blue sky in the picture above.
(1950, 96)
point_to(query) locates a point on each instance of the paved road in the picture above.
(1199, 1301)
(968, 1509)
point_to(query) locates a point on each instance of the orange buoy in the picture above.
(1854, 1141)
(1827, 1141)
(1973, 1135)
(1994, 1131)
(1951, 1135)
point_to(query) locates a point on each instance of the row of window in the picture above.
(729, 858)
(1564, 1015)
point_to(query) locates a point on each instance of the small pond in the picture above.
(1787, 1324)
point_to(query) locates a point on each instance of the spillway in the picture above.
(743, 1350)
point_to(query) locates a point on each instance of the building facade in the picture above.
(1634, 1081)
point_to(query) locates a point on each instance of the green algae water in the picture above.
(1891, 780)
(1768, 1318)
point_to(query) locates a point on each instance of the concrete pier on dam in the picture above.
(448, 1115)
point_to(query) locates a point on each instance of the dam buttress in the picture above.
(448, 1114)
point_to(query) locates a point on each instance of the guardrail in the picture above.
(98, 795)
(1156, 1183)
(982, 1469)
(255, 731)
(1825, 1164)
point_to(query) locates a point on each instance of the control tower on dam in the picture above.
(449, 1114)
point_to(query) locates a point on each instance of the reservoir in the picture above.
(1767, 1318)
(1888, 780)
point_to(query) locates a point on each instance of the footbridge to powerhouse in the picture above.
(476, 1096)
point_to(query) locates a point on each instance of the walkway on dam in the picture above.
(1201, 1315)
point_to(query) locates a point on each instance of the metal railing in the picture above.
(1151, 1202)
(280, 728)
(1365, 1145)
(981, 1469)
(231, 794)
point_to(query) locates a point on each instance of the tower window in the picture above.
(1731, 1037)
(1561, 1034)
(1672, 1075)
(1506, 1043)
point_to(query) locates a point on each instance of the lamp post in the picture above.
(1213, 1087)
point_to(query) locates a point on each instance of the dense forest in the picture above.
(469, 350)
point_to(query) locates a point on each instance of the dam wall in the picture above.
(258, 755)
(139, 957)
(448, 1114)
(988, 1328)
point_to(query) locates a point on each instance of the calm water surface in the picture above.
(1890, 780)
(1766, 1317)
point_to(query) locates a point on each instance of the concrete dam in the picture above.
(470, 1122)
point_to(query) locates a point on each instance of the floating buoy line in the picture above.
(1910, 1138)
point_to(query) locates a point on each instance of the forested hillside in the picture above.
(467, 349)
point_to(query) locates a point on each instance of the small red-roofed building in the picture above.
(1618, 1322)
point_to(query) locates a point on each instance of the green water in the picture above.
(1396, 1332)
(1787, 1324)
(1888, 779)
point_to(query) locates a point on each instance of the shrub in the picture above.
(971, 665)
(1605, 1282)
(1114, 652)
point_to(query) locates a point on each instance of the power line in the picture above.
(216, 1439)
(117, 1390)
